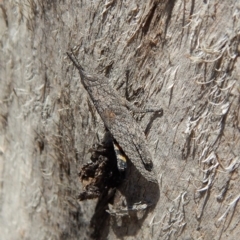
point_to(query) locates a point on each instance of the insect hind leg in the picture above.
(121, 157)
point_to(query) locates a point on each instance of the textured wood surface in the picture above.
(182, 56)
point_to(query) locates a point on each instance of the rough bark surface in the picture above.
(182, 56)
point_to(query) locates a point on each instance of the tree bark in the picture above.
(182, 56)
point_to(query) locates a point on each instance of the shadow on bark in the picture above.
(122, 201)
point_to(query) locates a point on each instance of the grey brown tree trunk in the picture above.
(182, 56)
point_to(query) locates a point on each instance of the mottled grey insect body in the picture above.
(117, 118)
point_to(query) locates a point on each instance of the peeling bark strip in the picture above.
(116, 115)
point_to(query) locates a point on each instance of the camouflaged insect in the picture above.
(117, 118)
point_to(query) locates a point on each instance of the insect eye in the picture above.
(148, 166)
